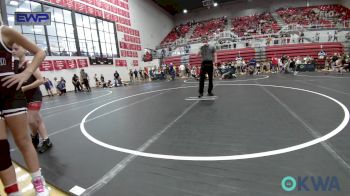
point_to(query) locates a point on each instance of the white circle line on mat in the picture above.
(336, 77)
(331, 134)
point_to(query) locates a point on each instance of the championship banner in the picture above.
(59, 64)
(46, 66)
(71, 64)
(82, 63)
(121, 63)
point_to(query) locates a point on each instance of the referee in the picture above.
(207, 52)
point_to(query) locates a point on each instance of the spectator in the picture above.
(194, 73)
(48, 86)
(172, 71)
(182, 70)
(334, 59)
(141, 74)
(322, 54)
(274, 65)
(292, 66)
(109, 84)
(302, 37)
(117, 79)
(131, 74)
(329, 37)
(145, 73)
(55, 83)
(97, 82)
(188, 72)
(76, 83)
(85, 77)
(102, 78)
(347, 36)
(136, 74)
(61, 86)
(335, 38)
(317, 37)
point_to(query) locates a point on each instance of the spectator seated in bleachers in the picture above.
(228, 71)
(255, 25)
(177, 32)
(156, 75)
(325, 15)
(208, 28)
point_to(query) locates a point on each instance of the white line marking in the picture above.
(231, 81)
(102, 115)
(109, 92)
(73, 95)
(56, 112)
(105, 114)
(121, 165)
(200, 99)
(331, 134)
(337, 77)
(326, 88)
(310, 130)
(77, 190)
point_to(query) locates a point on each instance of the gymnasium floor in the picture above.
(196, 142)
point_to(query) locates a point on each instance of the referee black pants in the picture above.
(206, 68)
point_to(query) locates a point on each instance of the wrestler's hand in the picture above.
(18, 79)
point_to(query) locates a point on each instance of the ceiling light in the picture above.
(11, 19)
(21, 9)
(216, 4)
(14, 3)
(185, 11)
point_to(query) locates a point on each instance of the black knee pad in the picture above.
(5, 157)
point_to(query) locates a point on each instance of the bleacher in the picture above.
(325, 15)
(303, 50)
(208, 28)
(176, 33)
(255, 25)
(176, 60)
(231, 55)
(226, 56)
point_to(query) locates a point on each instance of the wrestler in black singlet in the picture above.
(32, 95)
(12, 102)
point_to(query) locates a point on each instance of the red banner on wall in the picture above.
(71, 64)
(60, 64)
(46, 66)
(82, 63)
(121, 63)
